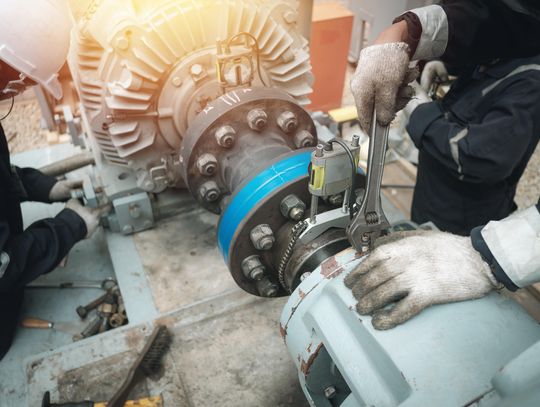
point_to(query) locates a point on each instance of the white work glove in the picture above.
(61, 191)
(416, 270)
(434, 70)
(380, 81)
(90, 216)
(420, 97)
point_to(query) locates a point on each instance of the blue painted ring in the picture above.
(281, 173)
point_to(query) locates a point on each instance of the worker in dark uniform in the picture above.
(475, 144)
(33, 46)
(425, 268)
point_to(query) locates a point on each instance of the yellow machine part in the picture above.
(344, 114)
(146, 402)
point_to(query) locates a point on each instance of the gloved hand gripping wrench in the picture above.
(370, 220)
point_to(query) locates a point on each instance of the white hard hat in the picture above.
(34, 39)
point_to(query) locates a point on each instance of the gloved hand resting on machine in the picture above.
(91, 216)
(61, 191)
(415, 270)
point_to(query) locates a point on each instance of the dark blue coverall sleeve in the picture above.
(489, 150)
(39, 248)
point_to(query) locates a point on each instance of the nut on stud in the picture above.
(209, 191)
(266, 288)
(292, 207)
(262, 237)
(225, 136)
(253, 268)
(287, 121)
(304, 139)
(207, 164)
(257, 119)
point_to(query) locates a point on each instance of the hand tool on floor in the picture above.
(83, 310)
(146, 402)
(37, 323)
(147, 364)
(370, 220)
(104, 285)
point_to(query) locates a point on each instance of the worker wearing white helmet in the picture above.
(34, 42)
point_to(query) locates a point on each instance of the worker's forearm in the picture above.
(512, 248)
(38, 250)
(36, 184)
(397, 32)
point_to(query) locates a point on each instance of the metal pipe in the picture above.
(69, 164)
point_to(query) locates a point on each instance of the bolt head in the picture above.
(330, 392)
(336, 200)
(177, 81)
(270, 291)
(288, 122)
(262, 237)
(196, 70)
(209, 192)
(226, 136)
(304, 139)
(253, 268)
(297, 213)
(292, 207)
(257, 274)
(257, 119)
(207, 164)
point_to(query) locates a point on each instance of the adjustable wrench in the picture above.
(370, 220)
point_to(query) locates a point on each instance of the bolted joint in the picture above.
(226, 136)
(288, 122)
(330, 392)
(292, 207)
(262, 237)
(267, 288)
(304, 139)
(209, 191)
(197, 72)
(336, 200)
(207, 164)
(253, 268)
(257, 119)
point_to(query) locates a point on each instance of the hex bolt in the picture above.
(134, 211)
(266, 288)
(209, 192)
(303, 139)
(330, 392)
(262, 237)
(336, 200)
(287, 122)
(225, 136)
(83, 310)
(355, 140)
(257, 119)
(207, 164)
(196, 70)
(253, 268)
(292, 207)
(319, 152)
(128, 229)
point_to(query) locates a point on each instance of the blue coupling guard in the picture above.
(282, 172)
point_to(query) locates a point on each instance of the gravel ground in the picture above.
(22, 126)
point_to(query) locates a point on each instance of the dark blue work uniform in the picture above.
(25, 255)
(475, 144)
